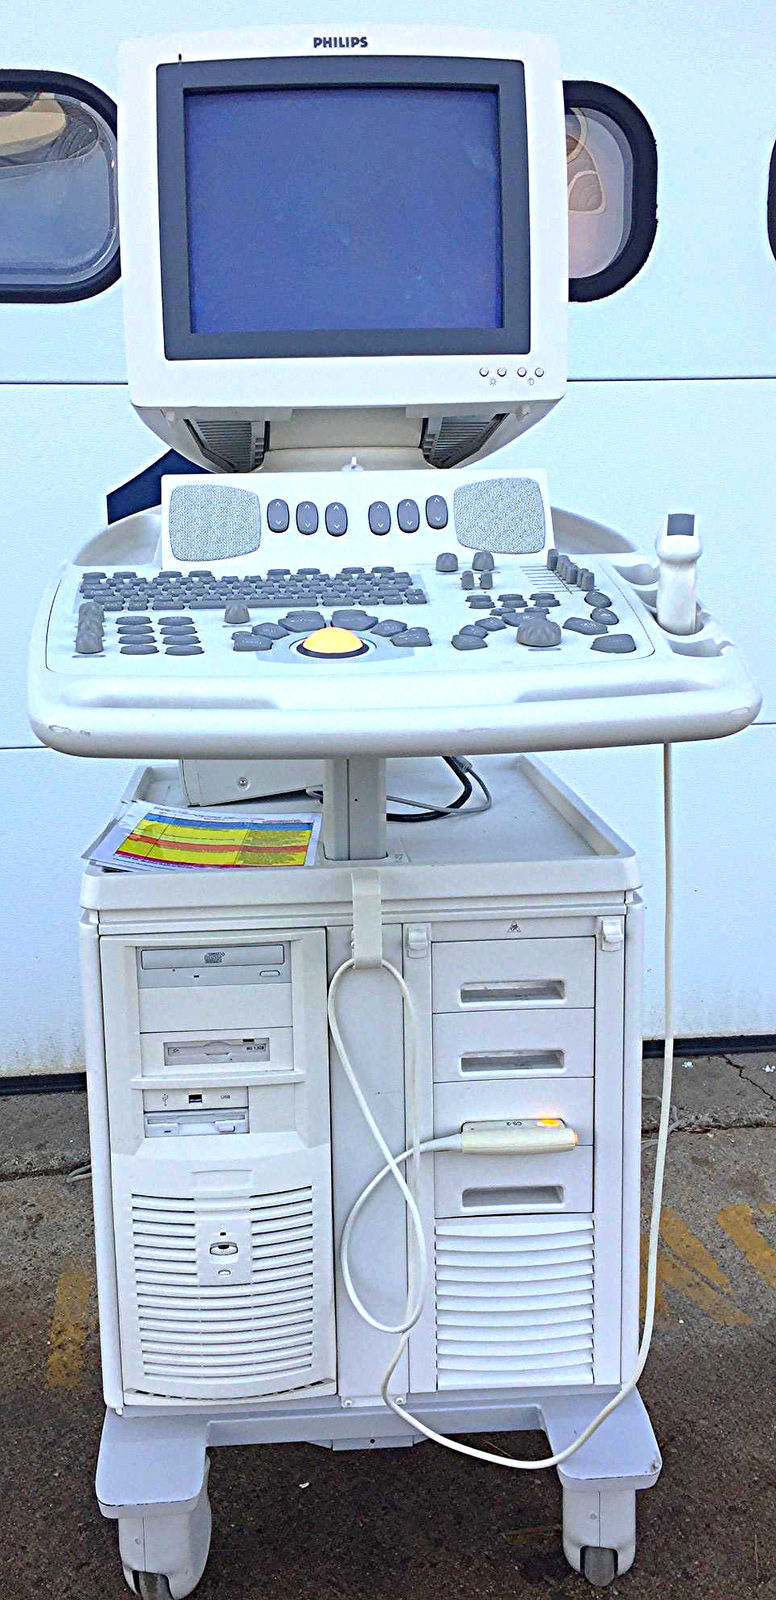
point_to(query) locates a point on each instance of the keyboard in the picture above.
(416, 643)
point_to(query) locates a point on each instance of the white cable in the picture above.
(413, 1311)
(414, 1307)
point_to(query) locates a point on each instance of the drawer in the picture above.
(467, 1186)
(224, 1006)
(471, 1045)
(571, 1099)
(500, 974)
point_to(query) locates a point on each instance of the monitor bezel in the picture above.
(506, 77)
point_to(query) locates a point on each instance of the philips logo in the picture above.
(338, 41)
(213, 958)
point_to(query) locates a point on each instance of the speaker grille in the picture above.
(505, 515)
(213, 522)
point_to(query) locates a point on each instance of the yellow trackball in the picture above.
(331, 643)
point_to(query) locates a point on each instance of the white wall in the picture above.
(688, 424)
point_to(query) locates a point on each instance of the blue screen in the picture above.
(343, 208)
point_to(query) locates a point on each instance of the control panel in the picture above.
(287, 616)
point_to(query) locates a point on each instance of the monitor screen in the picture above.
(343, 207)
(324, 208)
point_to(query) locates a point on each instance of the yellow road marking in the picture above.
(661, 1304)
(690, 1250)
(675, 1275)
(738, 1223)
(69, 1326)
(768, 1208)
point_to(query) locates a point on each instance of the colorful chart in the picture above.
(149, 837)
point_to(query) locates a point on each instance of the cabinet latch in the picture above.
(611, 933)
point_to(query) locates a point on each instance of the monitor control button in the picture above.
(501, 372)
(307, 516)
(540, 372)
(336, 518)
(522, 372)
(484, 372)
(277, 516)
(436, 511)
(408, 516)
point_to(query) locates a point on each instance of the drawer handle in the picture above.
(536, 1195)
(520, 989)
(513, 1061)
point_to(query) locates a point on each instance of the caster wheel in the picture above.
(599, 1565)
(152, 1586)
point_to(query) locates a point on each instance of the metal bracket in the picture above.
(367, 919)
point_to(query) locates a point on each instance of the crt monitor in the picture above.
(373, 225)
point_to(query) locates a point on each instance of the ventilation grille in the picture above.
(234, 446)
(248, 1331)
(514, 1301)
(448, 440)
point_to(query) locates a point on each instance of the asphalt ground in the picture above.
(296, 1521)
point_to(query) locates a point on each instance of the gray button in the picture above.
(270, 630)
(307, 516)
(571, 572)
(538, 633)
(139, 650)
(414, 597)
(512, 599)
(125, 629)
(483, 562)
(408, 518)
(584, 625)
(178, 617)
(90, 608)
(468, 641)
(604, 614)
(474, 627)
(552, 559)
(615, 644)
(88, 644)
(138, 616)
(513, 619)
(251, 641)
(183, 650)
(379, 516)
(236, 613)
(388, 627)
(596, 597)
(467, 580)
(446, 561)
(436, 511)
(486, 580)
(336, 518)
(278, 572)
(585, 579)
(277, 516)
(479, 602)
(297, 622)
(359, 621)
(412, 638)
(544, 598)
(492, 624)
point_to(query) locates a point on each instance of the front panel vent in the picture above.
(514, 1301)
(195, 1337)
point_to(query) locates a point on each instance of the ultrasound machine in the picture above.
(366, 1134)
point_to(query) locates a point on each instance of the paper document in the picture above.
(147, 838)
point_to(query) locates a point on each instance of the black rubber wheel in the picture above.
(153, 1586)
(599, 1565)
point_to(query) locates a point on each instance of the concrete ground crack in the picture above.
(752, 1081)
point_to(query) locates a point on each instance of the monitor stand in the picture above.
(354, 820)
